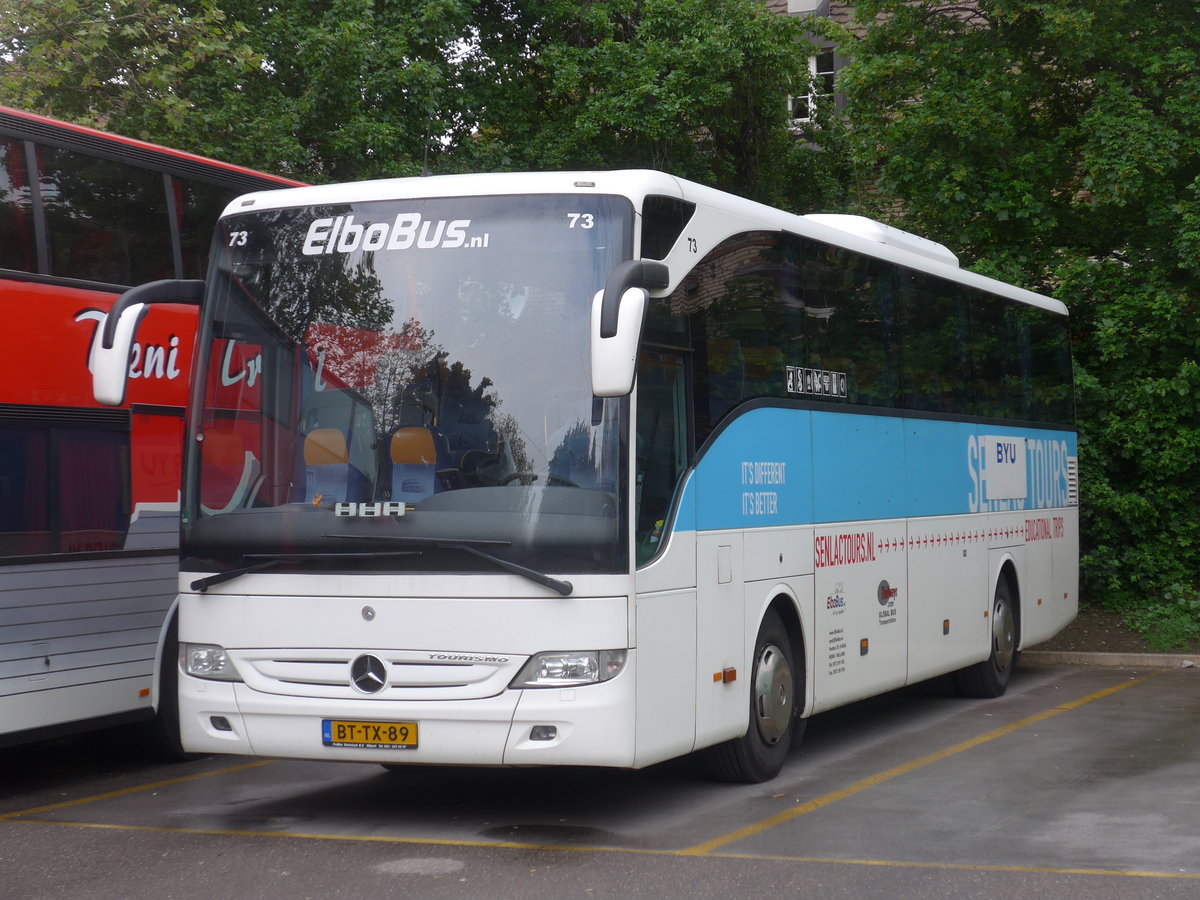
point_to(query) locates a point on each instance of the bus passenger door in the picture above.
(663, 451)
(662, 444)
(666, 561)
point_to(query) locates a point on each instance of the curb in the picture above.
(1135, 660)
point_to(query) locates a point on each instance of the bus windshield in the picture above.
(384, 384)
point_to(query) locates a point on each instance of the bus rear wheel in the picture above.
(990, 678)
(760, 753)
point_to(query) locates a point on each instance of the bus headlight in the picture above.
(208, 661)
(570, 669)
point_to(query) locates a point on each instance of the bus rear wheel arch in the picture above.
(777, 691)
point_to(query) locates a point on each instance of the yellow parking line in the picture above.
(966, 867)
(348, 838)
(859, 786)
(632, 851)
(709, 849)
(79, 801)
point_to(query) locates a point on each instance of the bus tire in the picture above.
(759, 754)
(990, 678)
(166, 741)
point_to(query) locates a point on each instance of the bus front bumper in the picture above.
(591, 725)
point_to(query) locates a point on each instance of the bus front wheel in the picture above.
(163, 732)
(760, 753)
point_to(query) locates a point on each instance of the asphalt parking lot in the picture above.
(1083, 781)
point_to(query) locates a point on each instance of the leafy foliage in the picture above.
(348, 89)
(694, 87)
(1057, 144)
(124, 61)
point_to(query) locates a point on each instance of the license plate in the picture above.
(369, 735)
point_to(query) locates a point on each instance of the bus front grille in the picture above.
(409, 674)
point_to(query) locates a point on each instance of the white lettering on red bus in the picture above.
(251, 369)
(146, 360)
(152, 361)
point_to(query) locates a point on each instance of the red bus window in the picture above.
(16, 215)
(106, 221)
(24, 508)
(92, 512)
(199, 205)
(51, 500)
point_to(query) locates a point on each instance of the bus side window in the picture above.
(935, 365)
(740, 313)
(726, 376)
(662, 443)
(106, 221)
(850, 322)
(50, 499)
(197, 206)
(16, 210)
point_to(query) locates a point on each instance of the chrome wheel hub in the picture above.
(773, 700)
(1004, 634)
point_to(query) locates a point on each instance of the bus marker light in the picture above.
(144, 692)
(728, 676)
(945, 626)
(863, 646)
(543, 733)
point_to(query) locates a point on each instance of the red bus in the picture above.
(89, 495)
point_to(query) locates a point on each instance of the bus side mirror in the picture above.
(614, 358)
(618, 313)
(109, 358)
(110, 365)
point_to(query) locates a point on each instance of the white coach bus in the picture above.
(600, 469)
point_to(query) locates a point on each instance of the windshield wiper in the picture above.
(271, 560)
(475, 549)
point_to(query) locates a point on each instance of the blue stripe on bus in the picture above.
(775, 466)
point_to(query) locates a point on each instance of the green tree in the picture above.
(117, 62)
(321, 90)
(1057, 144)
(347, 89)
(694, 87)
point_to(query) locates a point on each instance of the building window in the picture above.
(821, 71)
